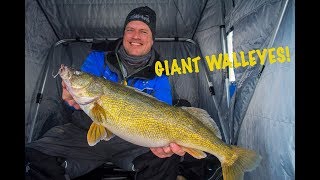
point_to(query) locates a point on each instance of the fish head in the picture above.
(79, 84)
(73, 78)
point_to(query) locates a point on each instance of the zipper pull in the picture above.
(124, 82)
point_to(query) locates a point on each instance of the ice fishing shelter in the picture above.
(253, 108)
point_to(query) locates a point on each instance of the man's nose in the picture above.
(136, 35)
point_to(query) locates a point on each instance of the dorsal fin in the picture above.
(141, 92)
(205, 118)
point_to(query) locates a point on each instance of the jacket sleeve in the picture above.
(162, 90)
(94, 63)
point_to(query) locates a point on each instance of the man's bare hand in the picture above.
(163, 152)
(66, 96)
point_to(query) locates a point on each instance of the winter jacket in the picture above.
(103, 62)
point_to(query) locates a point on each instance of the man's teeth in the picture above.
(137, 44)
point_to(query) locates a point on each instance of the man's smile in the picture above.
(135, 44)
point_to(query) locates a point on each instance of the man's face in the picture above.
(137, 38)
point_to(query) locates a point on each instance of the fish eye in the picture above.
(77, 72)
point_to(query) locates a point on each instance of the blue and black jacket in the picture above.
(103, 61)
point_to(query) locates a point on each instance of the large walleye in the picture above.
(143, 120)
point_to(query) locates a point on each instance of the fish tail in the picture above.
(242, 160)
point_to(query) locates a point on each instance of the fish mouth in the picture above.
(64, 72)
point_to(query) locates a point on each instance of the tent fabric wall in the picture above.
(183, 86)
(207, 36)
(253, 29)
(98, 18)
(269, 127)
(39, 37)
(52, 110)
(264, 122)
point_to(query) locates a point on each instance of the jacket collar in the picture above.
(146, 72)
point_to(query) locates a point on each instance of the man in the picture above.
(130, 62)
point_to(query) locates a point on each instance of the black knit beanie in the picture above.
(144, 14)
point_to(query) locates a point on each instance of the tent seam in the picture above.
(247, 14)
(45, 15)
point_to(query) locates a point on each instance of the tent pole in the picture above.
(273, 37)
(212, 92)
(38, 101)
(224, 51)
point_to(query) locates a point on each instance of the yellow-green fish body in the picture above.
(143, 120)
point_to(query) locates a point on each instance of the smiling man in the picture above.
(137, 39)
(129, 60)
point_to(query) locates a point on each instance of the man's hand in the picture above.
(66, 96)
(163, 152)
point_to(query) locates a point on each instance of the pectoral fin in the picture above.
(98, 132)
(109, 135)
(98, 113)
(195, 153)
